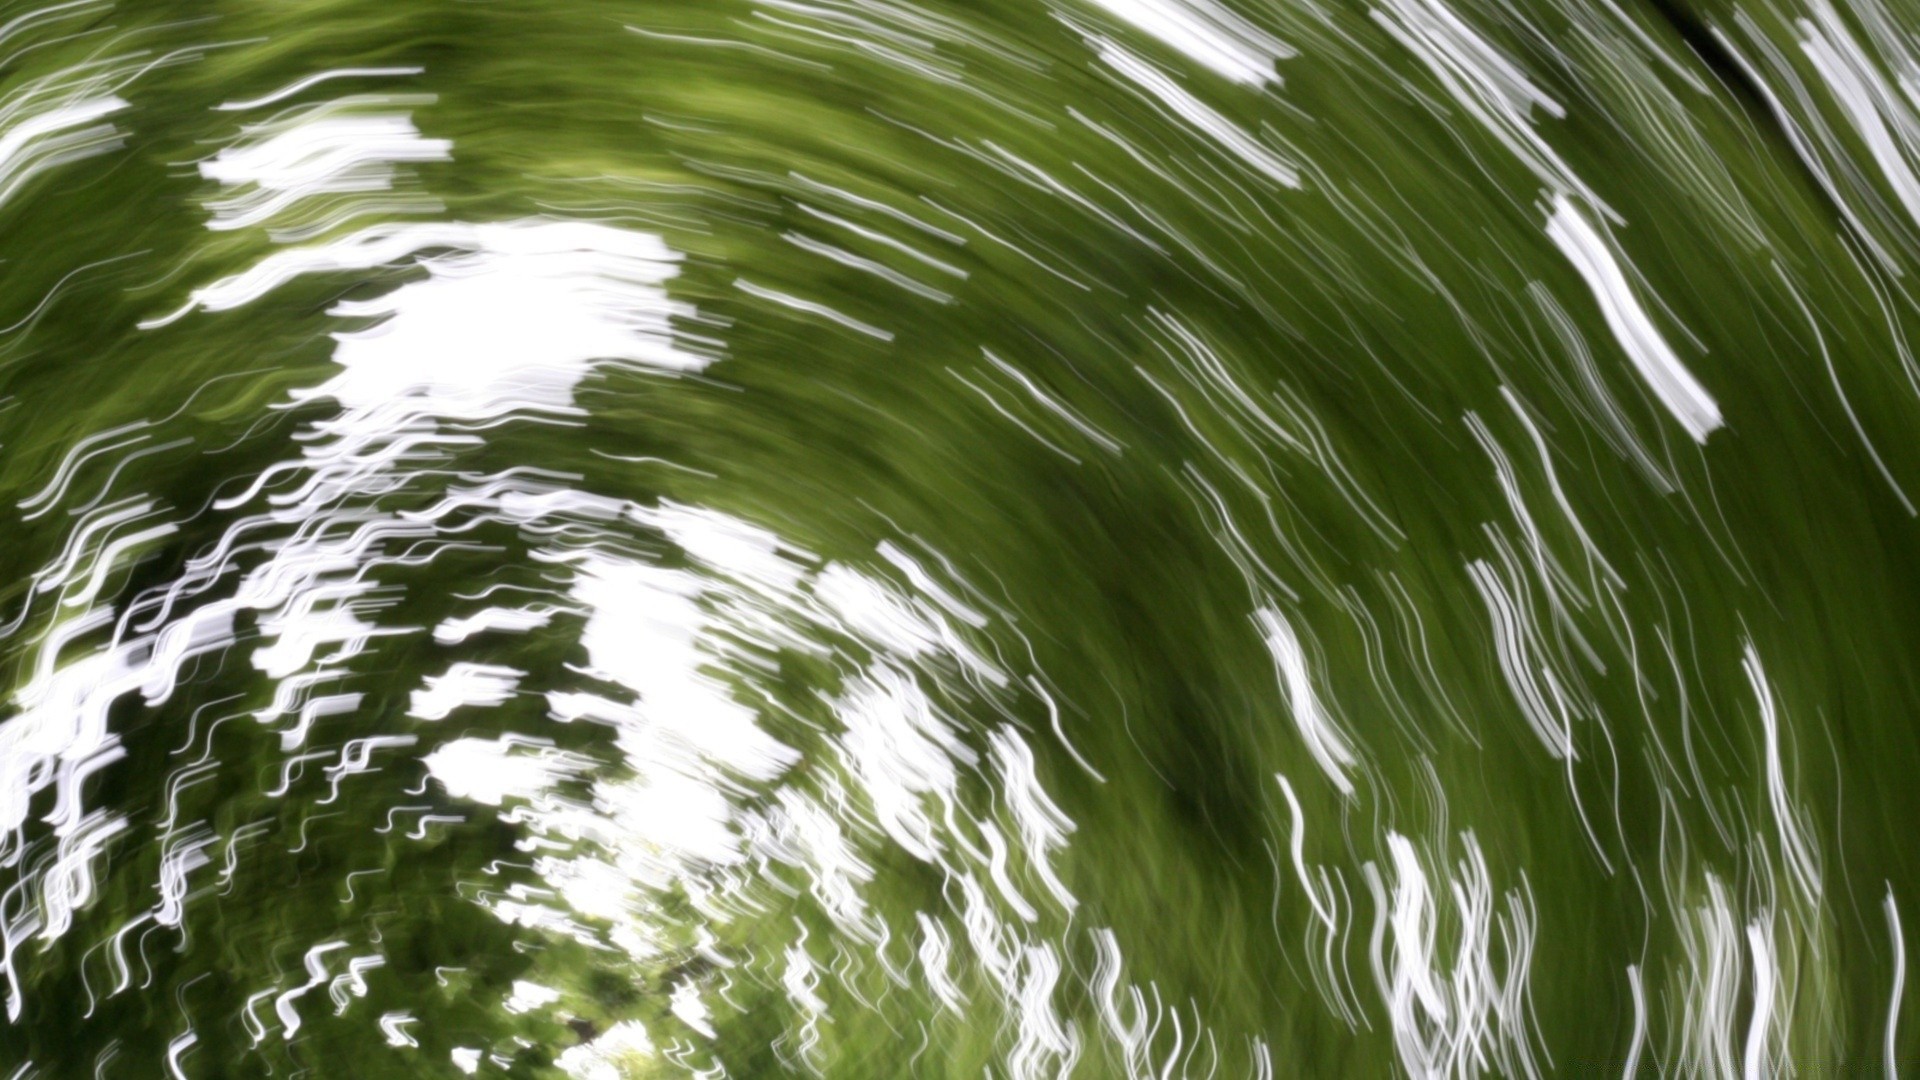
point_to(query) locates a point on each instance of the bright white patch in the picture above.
(1325, 741)
(1043, 827)
(1207, 33)
(1882, 114)
(643, 633)
(1593, 256)
(605, 1058)
(54, 121)
(324, 150)
(455, 630)
(690, 1010)
(901, 750)
(492, 771)
(741, 551)
(464, 684)
(528, 996)
(514, 326)
(473, 322)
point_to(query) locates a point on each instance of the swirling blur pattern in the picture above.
(959, 538)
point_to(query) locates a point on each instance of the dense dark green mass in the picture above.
(878, 538)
